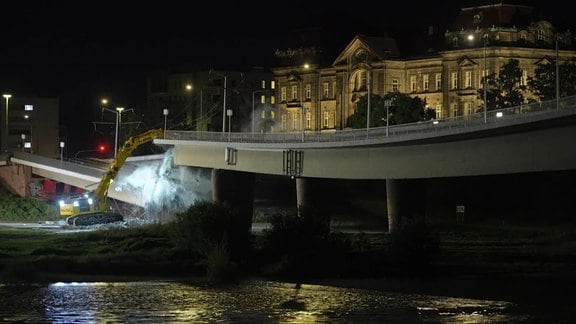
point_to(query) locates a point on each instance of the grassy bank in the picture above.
(293, 251)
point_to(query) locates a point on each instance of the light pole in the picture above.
(302, 109)
(485, 86)
(368, 106)
(254, 116)
(387, 104)
(118, 113)
(224, 107)
(61, 153)
(165, 113)
(6, 133)
(557, 75)
(229, 114)
(23, 137)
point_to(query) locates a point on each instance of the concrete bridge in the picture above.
(531, 138)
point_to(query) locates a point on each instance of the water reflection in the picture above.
(249, 302)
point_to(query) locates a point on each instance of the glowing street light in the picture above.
(6, 133)
(165, 113)
(229, 114)
(61, 153)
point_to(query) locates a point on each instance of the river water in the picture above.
(249, 302)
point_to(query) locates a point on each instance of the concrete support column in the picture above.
(236, 189)
(301, 192)
(392, 204)
(406, 202)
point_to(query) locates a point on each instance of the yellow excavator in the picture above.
(93, 208)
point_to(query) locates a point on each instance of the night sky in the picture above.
(79, 51)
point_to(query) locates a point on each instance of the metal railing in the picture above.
(438, 127)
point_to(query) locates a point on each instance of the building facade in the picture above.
(481, 40)
(32, 125)
(213, 100)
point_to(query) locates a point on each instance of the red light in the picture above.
(101, 148)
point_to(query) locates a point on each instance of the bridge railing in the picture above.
(444, 126)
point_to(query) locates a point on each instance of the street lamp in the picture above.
(23, 137)
(118, 113)
(387, 104)
(368, 106)
(485, 76)
(229, 114)
(485, 86)
(224, 107)
(557, 75)
(61, 153)
(165, 112)
(6, 133)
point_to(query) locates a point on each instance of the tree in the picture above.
(403, 109)
(504, 89)
(543, 83)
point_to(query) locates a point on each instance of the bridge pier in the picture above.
(406, 202)
(236, 189)
(17, 178)
(301, 193)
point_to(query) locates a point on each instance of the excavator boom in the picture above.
(102, 213)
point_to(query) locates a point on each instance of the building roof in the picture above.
(500, 15)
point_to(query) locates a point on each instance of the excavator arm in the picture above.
(102, 212)
(101, 192)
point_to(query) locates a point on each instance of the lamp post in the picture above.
(368, 107)
(61, 153)
(6, 133)
(302, 109)
(165, 113)
(387, 104)
(229, 114)
(23, 137)
(557, 75)
(224, 107)
(118, 113)
(485, 86)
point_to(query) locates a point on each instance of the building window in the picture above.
(308, 120)
(425, 82)
(272, 84)
(395, 86)
(262, 99)
(283, 94)
(438, 82)
(469, 109)
(363, 80)
(263, 114)
(272, 100)
(413, 83)
(295, 121)
(468, 79)
(524, 78)
(326, 119)
(294, 92)
(326, 89)
(283, 122)
(438, 111)
(454, 78)
(263, 84)
(308, 91)
(455, 112)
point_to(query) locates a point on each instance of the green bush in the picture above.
(208, 226)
